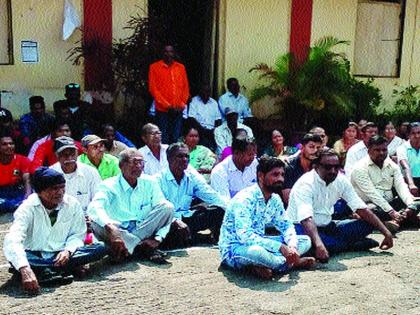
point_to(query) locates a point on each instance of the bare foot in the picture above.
(305, 263)
(261, 272)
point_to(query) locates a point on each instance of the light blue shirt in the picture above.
(116, 202)
(240, 104)
(245, 221)
(192, 185)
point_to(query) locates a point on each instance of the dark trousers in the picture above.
(170, 124)
(11, 197)
(339, 236)
(82, 256)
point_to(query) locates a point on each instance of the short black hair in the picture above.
(241, 143)
(311, 137)
(57, 124)
(376, 140)
(267, 163)
(230, 80)
(322, 153)
(174, 148)
(36, 100)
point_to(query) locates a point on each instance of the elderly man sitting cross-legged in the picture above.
(45, 241)
(243, 243)
(129, 211)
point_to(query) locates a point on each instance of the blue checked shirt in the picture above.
(192, 185)
(245, 221)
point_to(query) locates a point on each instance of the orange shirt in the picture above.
(168, 85)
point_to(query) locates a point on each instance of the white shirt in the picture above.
(312, 197)
(240, 104)
(354, 154)
(204, 113)
(32, 230)
(223, 136)
(82, 183)
(394, 144)
(152, 165)
(227, 180)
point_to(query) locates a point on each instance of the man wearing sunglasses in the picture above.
(311, 207)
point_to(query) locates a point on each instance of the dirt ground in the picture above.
(374, 282)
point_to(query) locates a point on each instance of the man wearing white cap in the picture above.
(94, 155)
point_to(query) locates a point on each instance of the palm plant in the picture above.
(319, 88)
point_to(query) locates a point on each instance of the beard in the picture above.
(275, 187)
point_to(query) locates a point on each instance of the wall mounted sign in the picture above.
(29, 51)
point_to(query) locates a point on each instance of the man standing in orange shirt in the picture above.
(168, 84)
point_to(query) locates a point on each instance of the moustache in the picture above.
(69, 162)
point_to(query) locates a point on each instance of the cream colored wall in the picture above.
(255, 31)
(40, 21)
(338, 18)
(121, 12)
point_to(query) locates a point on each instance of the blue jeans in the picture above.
(256, 255)
(170, 124)
(339, 236)
(82, 256)
(11, 197)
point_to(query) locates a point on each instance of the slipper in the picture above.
(157, 258)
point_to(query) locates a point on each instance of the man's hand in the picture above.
(387, 243)
(29, 281)
(395, 215)
(62, 258)
(291, 255)
(118, 249)
(150, 243)
(321, 253)
(414, 190)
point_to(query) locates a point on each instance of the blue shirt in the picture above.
(33, 127)
(245, 221)
(116, 202)
(192, 185)
(240, 104)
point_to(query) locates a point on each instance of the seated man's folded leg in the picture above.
(351, 231)
(209, 218)
(256, 255)
(87, 254)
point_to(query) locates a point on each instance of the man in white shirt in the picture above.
(375, 178)
(237, 171)
(311, 206)
(234, 100)
(81, 179)
(154, 152)
(359, 150)
(224, 134)
(45, 241)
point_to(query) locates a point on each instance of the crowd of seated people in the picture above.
(80, 192)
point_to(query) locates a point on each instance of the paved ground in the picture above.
(375, 282)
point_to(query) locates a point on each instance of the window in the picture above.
(6, 42)
(378, 40)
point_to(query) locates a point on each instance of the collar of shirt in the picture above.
(387, 162)
(125, 185)
(232, 167)
(230, 94)
(34, 201)
(150, 153)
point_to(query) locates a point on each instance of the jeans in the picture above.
(11, 197)
(170, 124)
(339, 236)
(82, 256)
(256, 255)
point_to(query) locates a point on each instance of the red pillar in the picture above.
(97, 40)
(300, 29)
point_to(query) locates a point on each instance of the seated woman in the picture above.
(277, 148)
(390, 133)
(349, 138)
(201, 158)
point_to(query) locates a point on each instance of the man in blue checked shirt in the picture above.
(181, 185)
(243, 243)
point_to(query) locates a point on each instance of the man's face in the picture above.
(64, 113)
(232, 119)
(95, 151)
(321, 132)
(153, 137)
(310, 150)
(369, 133)
(246, 158)
(414, 136)
(53, 195)
(109, 134)
(168, 54)
(205, 94)
(234, 87)
(7, 146)
(179, 162)
(73, 95)
(273, 180)
(38, 110)
(133, 167)
(328, 168)
(68, 158)
(64, 130)
(378, 153)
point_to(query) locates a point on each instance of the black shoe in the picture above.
(364, 245)
(48, 277)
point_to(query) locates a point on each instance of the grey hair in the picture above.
(127, 154)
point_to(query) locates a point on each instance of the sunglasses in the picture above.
(73, 86)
